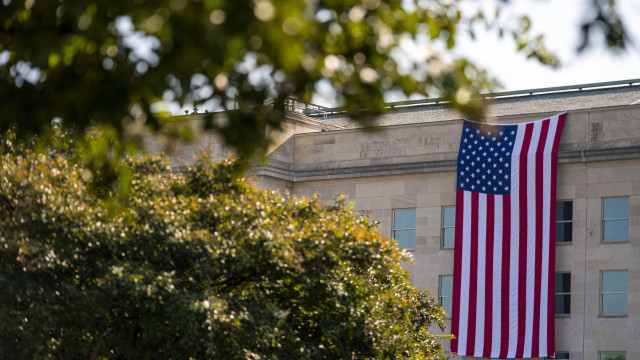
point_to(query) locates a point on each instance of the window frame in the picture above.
(559, 352)
(440, 296)
(601, 314)
(564, 222)
(394, 229)
(600, 353)
(563, 293)
(603, 220)
(443, 226)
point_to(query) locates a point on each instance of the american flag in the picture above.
(504, 259)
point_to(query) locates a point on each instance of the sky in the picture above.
(559, 21)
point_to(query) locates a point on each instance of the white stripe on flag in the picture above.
(465, 279)
(531, 237)
(482, 254)
(515, 241)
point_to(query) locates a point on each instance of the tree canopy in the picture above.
(114, 62)
(197, 265)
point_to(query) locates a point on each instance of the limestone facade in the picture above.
(409, 163)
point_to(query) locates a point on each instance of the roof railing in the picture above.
(296, 106)
(495, 95)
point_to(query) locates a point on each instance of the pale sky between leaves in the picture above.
(559, 22)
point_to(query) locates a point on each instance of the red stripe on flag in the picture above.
(506, 274)
(535, 343)
(488, 290)
(473, 270)
(552, 240)
(457, 263)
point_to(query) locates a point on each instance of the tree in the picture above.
(197, 265)
(116, 64)
(112, 62)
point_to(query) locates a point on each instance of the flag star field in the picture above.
(485, 157)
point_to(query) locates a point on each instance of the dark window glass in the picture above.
(613, 356)
(563, 293)
(564, 221)
(559, 355)
(564, 210)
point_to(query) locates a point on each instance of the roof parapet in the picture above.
(495, 95)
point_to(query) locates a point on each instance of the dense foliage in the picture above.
(113, 62)
(122, 65)
(195, 265)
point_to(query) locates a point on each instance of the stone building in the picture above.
(403, 175)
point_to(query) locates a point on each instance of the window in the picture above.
(559, 355)
(448, 226)
(564, 221)
(563, 293)
(615, 219)
(446, 293)
(404, 228)
(613, 298)
(613, 355)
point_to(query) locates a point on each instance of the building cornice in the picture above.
(421, 167)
